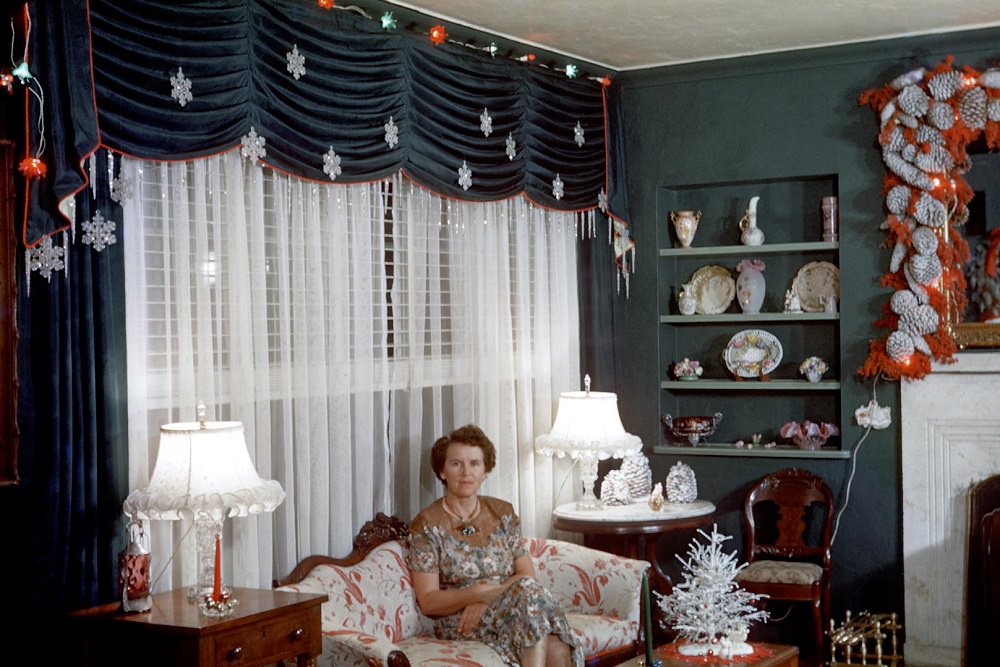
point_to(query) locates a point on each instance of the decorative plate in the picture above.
(752, 353)
(714, 288)
(814, 283)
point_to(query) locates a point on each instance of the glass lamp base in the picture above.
(588, 475)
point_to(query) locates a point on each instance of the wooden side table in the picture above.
(637, 527)
(777, 655)
(265, 627)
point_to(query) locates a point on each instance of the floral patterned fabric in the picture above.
(524, 614)
(372, 609)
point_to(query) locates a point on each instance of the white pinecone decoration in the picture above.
(909, 152)
(990, 78)
(972, 108)
(937, 159)
(919, 321)
(913, 100)
(902, 301)
(897, 140)
(614, 489)
(682, 487)
(899, 346)
(906, 171)
(898, 199)
(941, 115)
(927, 134)
(639, 477)
(924, 268)
(945, 84)
(930, 211)
(962, 216)
(925, 241)
(993, 109)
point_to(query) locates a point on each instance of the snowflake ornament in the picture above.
(45, 258)
(98, 232)
(121, 189)
(391, 133)
(253, 146)
(485, 123)
(181, 87)
(511, 146)
(296, 62)
(557, 188)
(578, 134)
(331, 164)
(465, 176)
(602, 201)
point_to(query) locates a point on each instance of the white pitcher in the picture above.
(751, 233)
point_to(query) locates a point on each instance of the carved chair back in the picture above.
(788, 515)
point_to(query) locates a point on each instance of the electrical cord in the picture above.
(854, 465)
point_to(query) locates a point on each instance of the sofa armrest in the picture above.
(588, 581)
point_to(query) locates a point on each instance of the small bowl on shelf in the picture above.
(807, 435)
(692, 428)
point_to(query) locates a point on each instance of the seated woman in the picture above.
(470, 570)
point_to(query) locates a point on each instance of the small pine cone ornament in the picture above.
(913, 100)
(902, 301)
(925, 241)
(941, 115)
(614, 489)
(896, 141)
(682, 486)
(909, 152)
(899, 346)
(919, 320)
(928, 135)
(898, 199)
(936, 160)
(990, 78)
(930, 211)
(972, 108)
(637, 474)
(906, 171)
(962, 216)
(945, 84)
(993, 109)
(924, 268)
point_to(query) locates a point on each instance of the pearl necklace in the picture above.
(464, 526)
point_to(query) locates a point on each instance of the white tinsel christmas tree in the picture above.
(709, 609)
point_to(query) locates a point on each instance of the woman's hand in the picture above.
(470, 617)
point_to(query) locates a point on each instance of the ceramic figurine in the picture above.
(792, 302)
(656, 498)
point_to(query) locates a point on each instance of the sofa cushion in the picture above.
(374, 597)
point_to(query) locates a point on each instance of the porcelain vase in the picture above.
(750, 288)
(685, 225)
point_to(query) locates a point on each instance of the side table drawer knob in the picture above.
(296, 634)
(235, 653)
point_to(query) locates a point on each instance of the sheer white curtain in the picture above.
(347, 327)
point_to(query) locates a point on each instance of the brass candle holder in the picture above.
(865, 638)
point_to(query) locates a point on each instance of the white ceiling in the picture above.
(632, 34)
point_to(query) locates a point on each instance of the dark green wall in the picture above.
(776, 116)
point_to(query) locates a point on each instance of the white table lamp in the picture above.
(203, 472)
(588, 429)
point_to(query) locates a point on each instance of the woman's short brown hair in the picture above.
(470, 435)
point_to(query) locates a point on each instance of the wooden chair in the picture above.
(787, 520)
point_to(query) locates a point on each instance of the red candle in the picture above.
(217, 589)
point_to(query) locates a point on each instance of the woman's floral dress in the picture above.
(524, 614)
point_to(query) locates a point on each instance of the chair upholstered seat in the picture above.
(781, 572)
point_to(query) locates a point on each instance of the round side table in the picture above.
(639, 527)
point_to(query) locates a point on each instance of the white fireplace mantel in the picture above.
(950, 423)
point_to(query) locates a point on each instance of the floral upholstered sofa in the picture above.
(372, 617)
